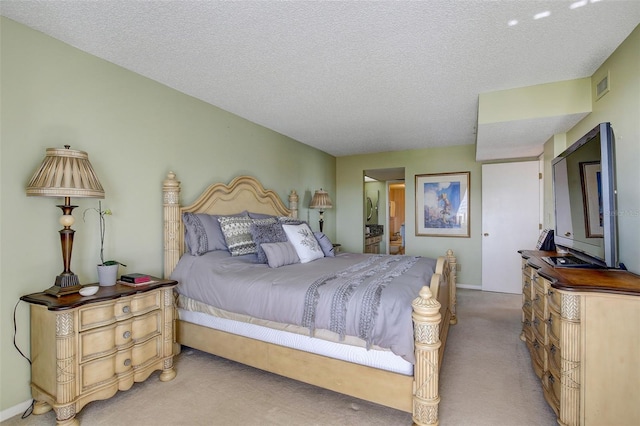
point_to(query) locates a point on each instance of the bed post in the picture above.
(453, 261)
(293, 203)
(172, 236)
(426, 319)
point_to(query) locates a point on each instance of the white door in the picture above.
(510, 222)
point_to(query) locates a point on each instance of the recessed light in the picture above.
(578, 4)
(512, 22)
(541, 15)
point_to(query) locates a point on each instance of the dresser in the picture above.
(87, 348)
(372, 244)
(582, 328)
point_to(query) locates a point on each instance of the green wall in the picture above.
(621, 107)
(135, 131)
(350, 202)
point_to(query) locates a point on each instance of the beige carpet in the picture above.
(486, 380)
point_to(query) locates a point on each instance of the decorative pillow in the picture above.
(237, 233)
(261, 216)
(280, 254)
(304, 242)
(266, 233)
(290, 220)
(202, 233)
(325, 244)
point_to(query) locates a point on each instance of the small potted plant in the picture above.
(107, 270)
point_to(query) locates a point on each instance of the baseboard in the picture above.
(15, 410)
(469, 286)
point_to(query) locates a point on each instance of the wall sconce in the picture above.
(65, 173)
(321, 201)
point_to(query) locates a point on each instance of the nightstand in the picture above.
(87, 348)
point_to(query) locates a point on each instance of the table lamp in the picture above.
(66, 173)
(321, 201)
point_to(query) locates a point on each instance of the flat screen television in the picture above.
(585, 201)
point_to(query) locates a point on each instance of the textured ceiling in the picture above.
(351, 77)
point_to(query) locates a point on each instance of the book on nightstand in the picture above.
(135, 278)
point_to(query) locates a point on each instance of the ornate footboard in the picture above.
(433, 312)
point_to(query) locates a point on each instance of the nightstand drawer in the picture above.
(103, 370)
(147, 352)
(104, 341)
(145, 326)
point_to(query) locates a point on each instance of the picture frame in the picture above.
(443, 204)
(590, 179)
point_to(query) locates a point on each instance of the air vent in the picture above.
(602, 87)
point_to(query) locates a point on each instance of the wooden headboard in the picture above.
(242, 193)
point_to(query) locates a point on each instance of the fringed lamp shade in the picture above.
(65, 173)
(322, 202)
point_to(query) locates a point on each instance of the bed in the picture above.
(358, 366)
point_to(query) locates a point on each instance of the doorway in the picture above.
(396, 235)
(389, 210)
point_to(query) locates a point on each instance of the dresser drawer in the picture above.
(146, 352)
(554, 325)
(551, 391)
(97, 315)
(527, 330)
(103, 341)
(553, 357)
(145, 326)
(540, 330)
(554, 299)
(102, 370)
(537, 356)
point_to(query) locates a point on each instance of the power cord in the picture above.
(29, 409)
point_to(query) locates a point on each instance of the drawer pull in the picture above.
(527, 322)
(551, 379)
(550, 292)
(527, 303)
(127, 362)
(553, 349)
(536, 345)
(126, 334)
(536, 322)
(126, 309)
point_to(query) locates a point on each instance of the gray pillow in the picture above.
(237, 233)
(261, 216)
(325, 244)
(280, 254)
(266, 233)
(202, 232)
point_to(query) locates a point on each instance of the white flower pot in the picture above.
(107, 275)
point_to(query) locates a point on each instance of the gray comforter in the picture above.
(362, 295)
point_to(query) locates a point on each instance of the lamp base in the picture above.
(65, 284)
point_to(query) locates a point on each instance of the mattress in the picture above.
(376, 358)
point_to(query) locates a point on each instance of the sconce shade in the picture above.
(321, 200)
(65, 172)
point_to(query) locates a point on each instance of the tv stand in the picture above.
(582, 329)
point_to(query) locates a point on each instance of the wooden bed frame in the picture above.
(433, 312)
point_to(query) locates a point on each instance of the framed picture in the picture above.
(442, 205)
(590, 177)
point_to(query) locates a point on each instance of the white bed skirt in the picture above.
(380, 359)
